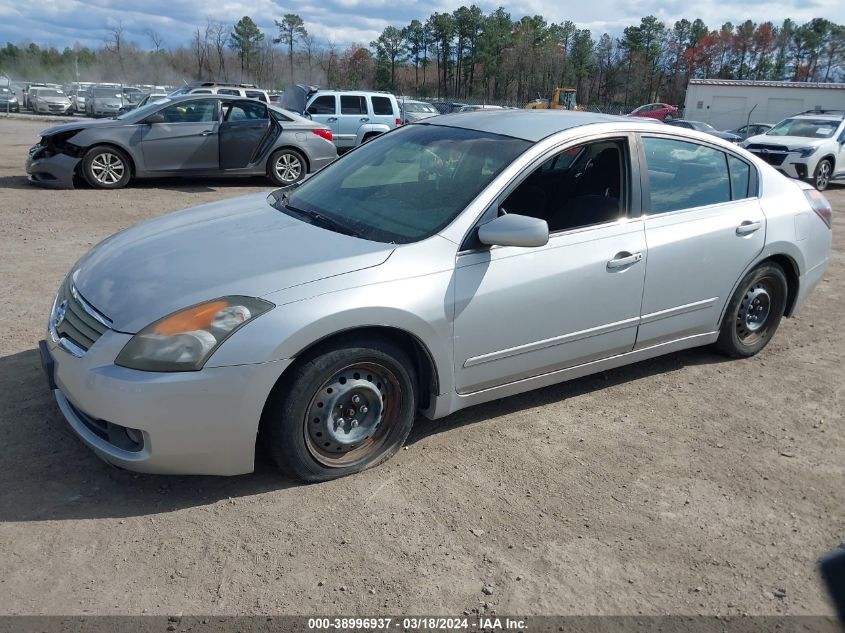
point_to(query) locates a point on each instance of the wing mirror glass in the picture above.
(514, 230)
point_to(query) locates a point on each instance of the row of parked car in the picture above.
(212, 128)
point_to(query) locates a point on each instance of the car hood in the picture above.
(786, 141)
(232, 247)
(61, 100)
(79, 125)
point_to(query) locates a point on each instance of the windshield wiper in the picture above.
(321, 220)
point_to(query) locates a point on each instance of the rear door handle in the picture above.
(748, 227)
(623, 260)
(365, 119)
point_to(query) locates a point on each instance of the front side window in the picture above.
(256, 94)
(323, 105)
(199, 111)
(685, 175)
(407, 185)
(383, 107)
(582, 186)
(351, 104)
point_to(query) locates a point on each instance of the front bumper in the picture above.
(56, 171)
(790, 164)
(198, 423)
(9, 107)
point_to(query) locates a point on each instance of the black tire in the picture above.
(286, 167)
(106, 167)
(822, 175)
(754, 312)
(310, 427)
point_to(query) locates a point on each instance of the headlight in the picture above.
(184, 340)
(804, 152)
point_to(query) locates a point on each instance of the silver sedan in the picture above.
(448, 263)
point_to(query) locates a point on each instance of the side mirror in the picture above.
(154, 118)
(514, 230)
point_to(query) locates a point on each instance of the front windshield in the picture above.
(701, 127)
(407, 185)
(807, 128)
(180, 91)
(47, 92)
(143, 111)
(107, 92)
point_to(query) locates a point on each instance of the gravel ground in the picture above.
(685, 484)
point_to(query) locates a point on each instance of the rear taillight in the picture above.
(398, 122)
(820, 205)
(326, 134)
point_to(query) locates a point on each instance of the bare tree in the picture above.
(308, 43)
(114, 43)
(155, 37)
(219, 33)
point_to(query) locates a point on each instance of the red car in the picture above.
(660, 111)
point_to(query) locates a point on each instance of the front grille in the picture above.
(772, 154)
(77, 320)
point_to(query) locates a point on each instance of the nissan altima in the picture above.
(462, 259)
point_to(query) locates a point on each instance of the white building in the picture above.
(729, 103)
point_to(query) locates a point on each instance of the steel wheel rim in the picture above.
(351, 416)
(754, 312)
(823, 177)
(288, 168)
(107, 168)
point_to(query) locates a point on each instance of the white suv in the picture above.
(808, 146)
(246, 91)
(354, 116)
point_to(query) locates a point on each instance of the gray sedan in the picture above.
(206, 135)
(447, 263)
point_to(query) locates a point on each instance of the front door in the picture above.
(353, 114)
(185, 141)
(522, 312)
(246, 124)
(704, 226)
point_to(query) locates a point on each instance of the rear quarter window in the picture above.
(382, 106)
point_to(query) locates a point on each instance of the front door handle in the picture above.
(623, 260)
(206, 132)
(365, 119)
(748, 227)
(331, 119)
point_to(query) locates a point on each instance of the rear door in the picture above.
(186, 140)
(323, 109)
(246, 124)
(704, 226)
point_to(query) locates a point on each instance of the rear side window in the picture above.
(323, 105)
(382, 106)
(256, 94)
(740, 178)
(351, 104)
(228, 91)
(241, 110)
(684, 175)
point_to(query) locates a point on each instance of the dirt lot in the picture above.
(687, 484)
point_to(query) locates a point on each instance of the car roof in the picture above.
(529, 125)
(821, 115)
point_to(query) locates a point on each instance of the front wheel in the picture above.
(286, 167)
(821, 179)
(754, 312)
(342, 410)
(106, 167)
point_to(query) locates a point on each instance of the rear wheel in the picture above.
(286, 167)
(821, 179)
(342, 410)
(754, 312)
(106, 167)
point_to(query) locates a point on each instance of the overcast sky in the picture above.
(65, 22)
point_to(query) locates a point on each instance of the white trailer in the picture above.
(730, 103)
